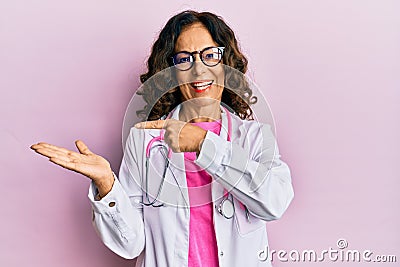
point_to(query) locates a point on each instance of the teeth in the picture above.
(201, 85)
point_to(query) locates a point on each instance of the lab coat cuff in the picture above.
(212, 153)
(109, 203)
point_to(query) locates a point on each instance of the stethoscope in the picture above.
(226, 207)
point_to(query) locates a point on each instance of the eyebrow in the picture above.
(195, 50)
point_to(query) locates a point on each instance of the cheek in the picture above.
(220, 76)
(218, 91)
(183, 77)
(185, 91)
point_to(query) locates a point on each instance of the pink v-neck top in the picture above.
(203, 249)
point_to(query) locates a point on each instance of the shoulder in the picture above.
(250, 125)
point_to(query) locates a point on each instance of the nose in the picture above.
(198, 66)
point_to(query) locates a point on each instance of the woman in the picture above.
(206, 203)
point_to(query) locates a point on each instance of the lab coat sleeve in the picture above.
(118, 216)
(251, 169)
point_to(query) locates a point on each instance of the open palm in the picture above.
(85, 162)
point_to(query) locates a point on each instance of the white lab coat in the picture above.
(160, 236)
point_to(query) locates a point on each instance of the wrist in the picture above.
(201, 143)
(104, 185)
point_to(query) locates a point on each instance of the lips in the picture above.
(201, 86)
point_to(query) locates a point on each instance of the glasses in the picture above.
(210, 56)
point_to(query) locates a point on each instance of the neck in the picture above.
(194, 113)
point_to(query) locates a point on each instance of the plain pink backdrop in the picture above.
(330, 70)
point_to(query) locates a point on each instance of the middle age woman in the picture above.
(207, 203)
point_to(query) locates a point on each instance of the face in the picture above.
(200, 82)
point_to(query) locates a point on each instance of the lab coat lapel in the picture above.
(217, 189)
(177, 166)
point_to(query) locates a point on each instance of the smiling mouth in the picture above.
(201, 86)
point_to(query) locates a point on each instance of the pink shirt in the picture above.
(203, 251)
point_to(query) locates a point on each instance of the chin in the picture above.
(202, 101)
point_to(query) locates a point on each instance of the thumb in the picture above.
(83, 149)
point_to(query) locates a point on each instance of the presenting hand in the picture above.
(180, 136)
(86, 162)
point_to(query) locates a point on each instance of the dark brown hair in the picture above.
(161, 98)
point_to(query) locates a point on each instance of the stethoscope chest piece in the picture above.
(226, 208)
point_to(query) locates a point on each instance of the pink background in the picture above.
(330, 70)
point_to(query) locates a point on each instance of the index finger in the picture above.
(158, 124)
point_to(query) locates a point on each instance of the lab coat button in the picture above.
(221, 253)
(111, 204)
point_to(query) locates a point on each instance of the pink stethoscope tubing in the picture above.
(225, 201)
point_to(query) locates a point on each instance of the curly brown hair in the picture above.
(157, 93)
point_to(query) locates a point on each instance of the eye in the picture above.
(210, 56)
(183, 60)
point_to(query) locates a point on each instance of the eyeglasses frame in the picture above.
(200, 52)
